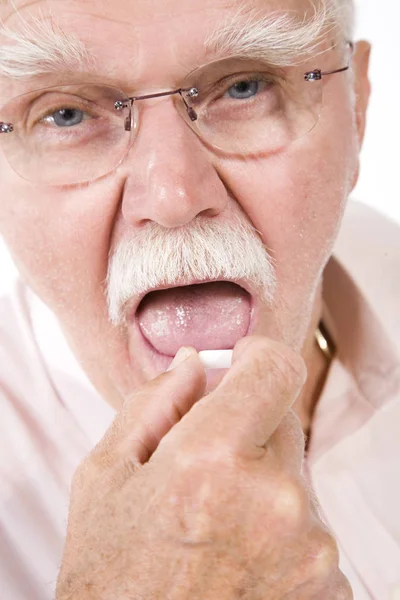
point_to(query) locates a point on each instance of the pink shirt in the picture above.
(51, 417)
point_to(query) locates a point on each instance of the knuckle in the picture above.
(337, 587)
(291, 504)
(324, 557)
(344, 590)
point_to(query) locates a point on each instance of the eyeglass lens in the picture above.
(75, 133)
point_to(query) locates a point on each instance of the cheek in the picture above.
(296, 199)
(59, 239)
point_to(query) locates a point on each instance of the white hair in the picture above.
(281, 37)
(345, 10)
(204, 250)
(40, 46)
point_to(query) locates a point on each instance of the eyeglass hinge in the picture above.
(313, 75)
(6, 127)
(120, 104)
(192, 93)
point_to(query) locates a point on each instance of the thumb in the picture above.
(152, 411)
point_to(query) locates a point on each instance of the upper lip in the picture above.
(245, 284)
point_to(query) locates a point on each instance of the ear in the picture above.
(362, 86)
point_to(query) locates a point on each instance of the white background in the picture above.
(379, 184)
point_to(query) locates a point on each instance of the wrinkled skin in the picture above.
(60, 238)
(219, 509)
(201, 507)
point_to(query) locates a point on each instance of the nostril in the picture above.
(209, 212)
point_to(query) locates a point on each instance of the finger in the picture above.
(250, 402)
(338, 589)
(316, 567)
(324, 579)
(287, 444)
(151, 412)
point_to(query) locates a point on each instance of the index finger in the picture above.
(251, 400)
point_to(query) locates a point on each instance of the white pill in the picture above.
(216, 359)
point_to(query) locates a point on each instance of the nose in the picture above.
(169, 175)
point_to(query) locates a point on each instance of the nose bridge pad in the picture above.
(133, 118)
(128, 119)
(192, 93)
(128, 122)
(131, 121)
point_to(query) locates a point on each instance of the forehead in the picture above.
(167, 18)
(139, 10)
(142, 39)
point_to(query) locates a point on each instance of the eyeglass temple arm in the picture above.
(317, 74)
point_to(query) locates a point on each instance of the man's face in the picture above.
(61, 237)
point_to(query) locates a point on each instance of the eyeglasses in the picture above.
(77, 133)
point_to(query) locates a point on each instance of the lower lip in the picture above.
(160, 362)
(154, 363)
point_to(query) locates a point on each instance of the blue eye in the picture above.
(242, 90)
(66, 117)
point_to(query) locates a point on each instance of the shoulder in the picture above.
(17, 387)
(23, 381)
(365, 228)
(368, 246)
(18, 352)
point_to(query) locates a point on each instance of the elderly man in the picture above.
(174, 176)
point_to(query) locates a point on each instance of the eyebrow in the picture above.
(40, 47)
(281, 38)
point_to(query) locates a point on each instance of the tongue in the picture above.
(210, 316)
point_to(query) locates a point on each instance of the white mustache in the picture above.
(204, 250)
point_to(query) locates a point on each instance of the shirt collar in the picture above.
(365, 373)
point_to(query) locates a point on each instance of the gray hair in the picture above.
(204, 250)
(281, 38)
(346, 16)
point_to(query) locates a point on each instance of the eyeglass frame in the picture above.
(309, 76)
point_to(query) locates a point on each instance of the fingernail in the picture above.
(182, 354)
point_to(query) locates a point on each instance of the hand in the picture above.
(202, 498)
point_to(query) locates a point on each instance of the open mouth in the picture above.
(207, 316)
